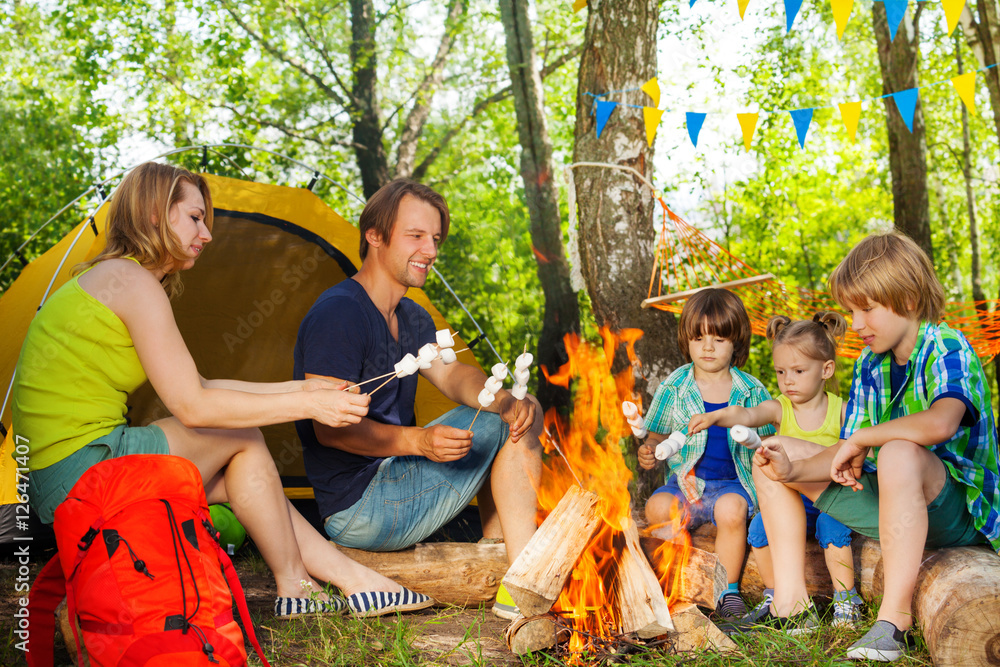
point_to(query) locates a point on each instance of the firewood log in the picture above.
(640, 598)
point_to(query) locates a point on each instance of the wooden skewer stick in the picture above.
(372, 379)
(383, 384)
(475, 416)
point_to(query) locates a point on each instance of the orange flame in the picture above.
(591, 441)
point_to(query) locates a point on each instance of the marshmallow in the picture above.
(493, 385)
(521, 375)
(519, 391)
(444, 338)
(524, 361)
(448, 355)
(408, 365)
(670, 446)
(636, 421)
(499, 371)
(486, 398)
(426, 355)
(629, 409)
(639, 431)
(745, 436)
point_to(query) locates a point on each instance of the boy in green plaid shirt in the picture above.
(920, 405)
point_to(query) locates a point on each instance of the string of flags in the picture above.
(894, 10)
(850, 112)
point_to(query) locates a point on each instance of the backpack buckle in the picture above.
(87, 539)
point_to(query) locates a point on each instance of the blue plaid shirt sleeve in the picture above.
(953, 374)
(856, 416)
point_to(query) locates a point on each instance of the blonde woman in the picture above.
(101, 335)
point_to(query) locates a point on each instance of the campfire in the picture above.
(588, 574)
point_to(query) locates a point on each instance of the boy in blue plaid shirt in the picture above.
(710, 477)
(919, 401)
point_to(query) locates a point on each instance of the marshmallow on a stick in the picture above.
(667, 448)
(427, 354)
(629, 409)
(444, 338)
(499, 371)
(745, 436)
(521, 375)
(493, 385)
(519, 391)
(408, 365)
(448, 355)
(486, 398)
(524, 361)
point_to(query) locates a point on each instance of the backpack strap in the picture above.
(241, 600)
(47, 591)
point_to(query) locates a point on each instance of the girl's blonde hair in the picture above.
(138, 220)
(816, 338)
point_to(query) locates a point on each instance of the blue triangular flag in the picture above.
(801, 118)
(894, 11)
(694, 123)
(791, 11)
(604, 109)
(692, 3)
(906, 102)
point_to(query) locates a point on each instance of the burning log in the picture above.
(453, 573)
(536, 578)
(525, 635)
(700, 575)
(640, 597)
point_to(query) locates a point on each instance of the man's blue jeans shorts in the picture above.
(411, 497)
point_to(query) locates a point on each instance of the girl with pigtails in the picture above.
(808, 418)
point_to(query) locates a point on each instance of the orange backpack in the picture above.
(141, 570)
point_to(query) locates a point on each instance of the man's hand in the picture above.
(647, 456)
(772, 460)
(519, 415)
(442, 443)
(702, 421)
(847, 464)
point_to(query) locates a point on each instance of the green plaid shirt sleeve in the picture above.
(857, 416)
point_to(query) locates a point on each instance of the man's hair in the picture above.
(716, 312)
(890, 270)
(138, 219)
(381, 210)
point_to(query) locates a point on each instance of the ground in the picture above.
(432, 638)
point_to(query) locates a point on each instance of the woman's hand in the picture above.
(335, 407)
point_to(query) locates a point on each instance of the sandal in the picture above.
(379, 603)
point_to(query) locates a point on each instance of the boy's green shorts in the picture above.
(949, 523)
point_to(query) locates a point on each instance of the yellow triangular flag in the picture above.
(841, 13)
(952, 10)
(578, 5)
(743, 6)
(850, 112)
(965, 84)
(652, 118)
(748, 123)
(652, 88)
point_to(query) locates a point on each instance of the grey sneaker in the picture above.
(804, 622)
(846, 614)
(760, 611)
(883, 642)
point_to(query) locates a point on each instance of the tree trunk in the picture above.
(616, 233)
(898, 61)
(562, 313)
(372, 160)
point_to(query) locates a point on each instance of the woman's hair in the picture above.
(816, 338)
(138, 218)
(718, 312)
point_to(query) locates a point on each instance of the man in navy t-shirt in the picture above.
(386, 484)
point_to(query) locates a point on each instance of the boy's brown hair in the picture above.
(381, 210)
(720, 313)
(890, 270)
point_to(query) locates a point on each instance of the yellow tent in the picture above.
(275, 249)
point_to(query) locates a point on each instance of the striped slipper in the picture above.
(379, 603)
(285, 608)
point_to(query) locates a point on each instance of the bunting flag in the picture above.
(694, 122)
(652, 88)
(651, 117)
(952, 10)
(801, 118)
(791, 11)
(894, 12)
(578, 5)
(604, 109)
(965, 86)
(906, 102)
(743, 7)
(692, 3)
(748, 123)
(850, 112)
(841, 13)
